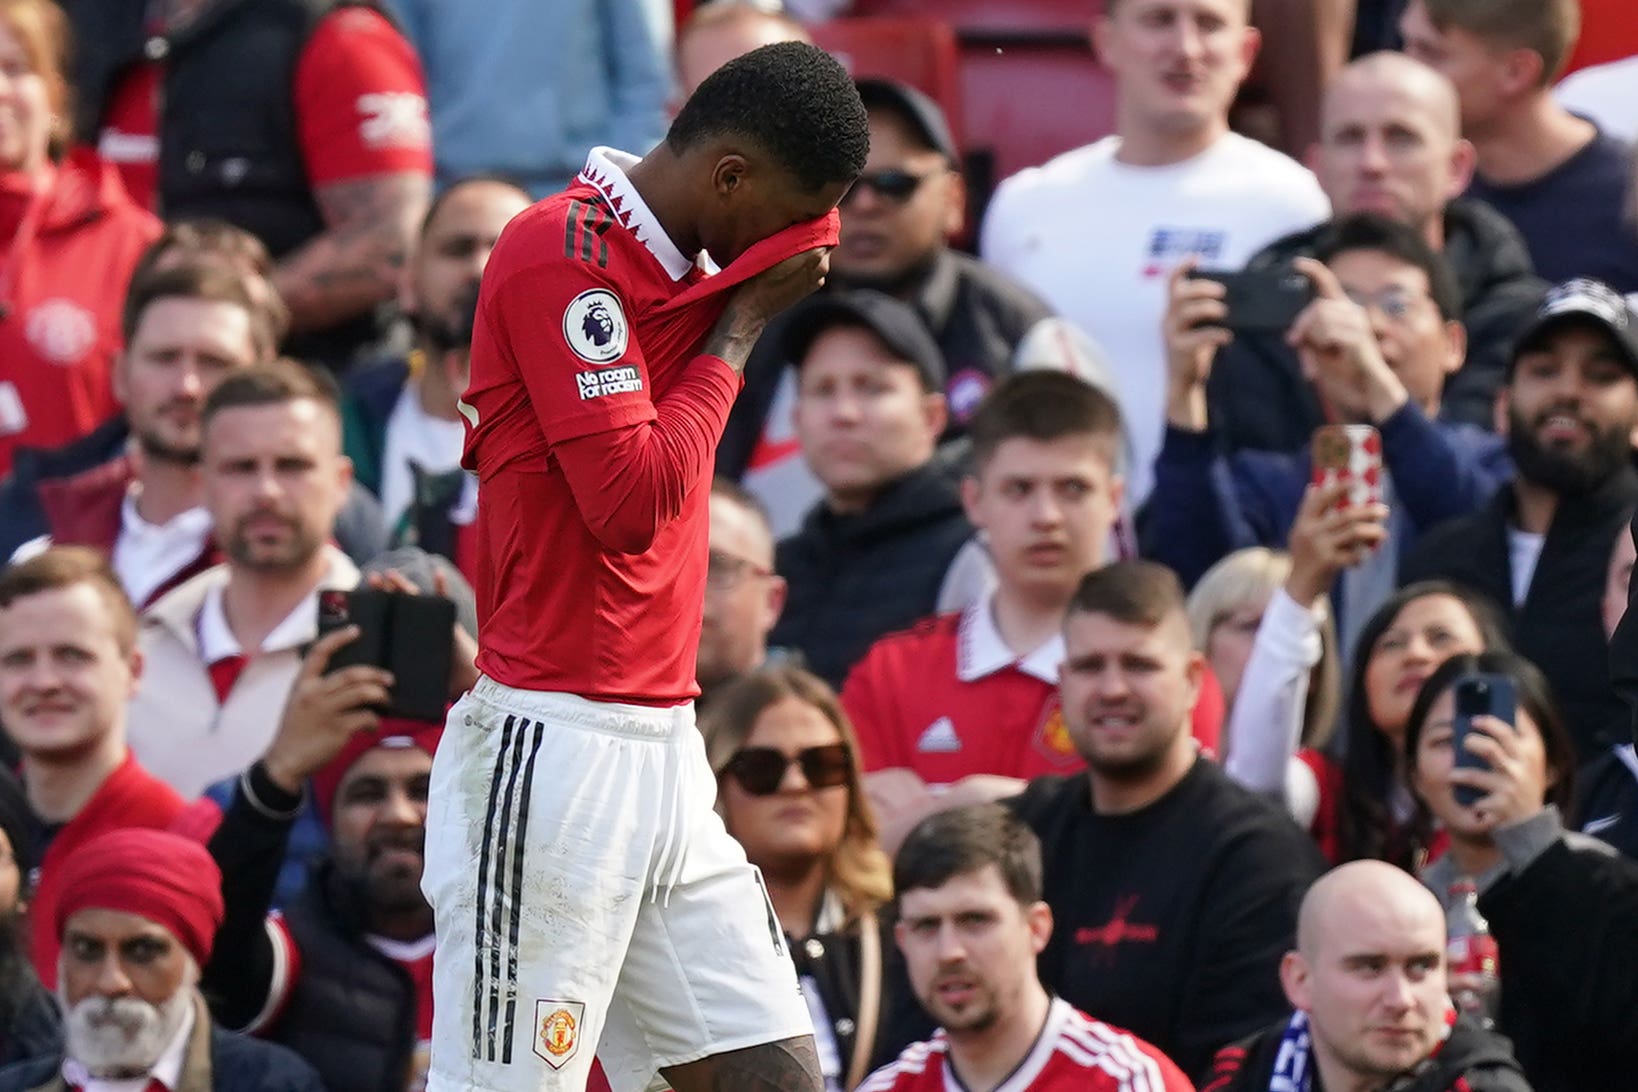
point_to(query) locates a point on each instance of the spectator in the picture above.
(72, 237)
(743, 594)
(1562, 907)
(403, 430)
(1607, 804)
(303, 123)
(163, 393)
(1367, 979)
(185, 328)
(960, 707)
(222, 650)
(870, 557)
(1172, 183)
(1562, 182)
(897, 223)
(525, 88)
(1281, 678)
(1542, 546)
(1603, 94)
(1390, 144)
(716, 33)
(1152, 832)
(137, 919)
(970, 922)
(68, 664)
(788, 788)
(30, 1024)
(1377, 344)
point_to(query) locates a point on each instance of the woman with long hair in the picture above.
(1562, 907)
(789, 790)
(69, 237)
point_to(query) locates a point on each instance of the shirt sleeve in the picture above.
(361, 101)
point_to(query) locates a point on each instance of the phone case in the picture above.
(1351, 454)
(1475, 696)
(1262, 300)
(411, 636)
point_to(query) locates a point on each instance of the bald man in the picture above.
(1367, 983)
(1390, 142)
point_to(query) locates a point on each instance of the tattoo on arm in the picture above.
(370, 225)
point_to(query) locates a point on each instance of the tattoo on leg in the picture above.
(789, 1065)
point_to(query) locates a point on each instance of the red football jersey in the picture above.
(589, 323)
(1074, 1053)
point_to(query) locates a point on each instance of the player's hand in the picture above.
(1340, 355)
(323, 711)
(762, 297)
(1193, 333)
(1329, 536)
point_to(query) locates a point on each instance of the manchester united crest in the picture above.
(1052, 737)
(557, 1030)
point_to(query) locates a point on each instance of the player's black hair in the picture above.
(794, 101)
(1370, 231)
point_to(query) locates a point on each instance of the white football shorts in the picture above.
(589, 899)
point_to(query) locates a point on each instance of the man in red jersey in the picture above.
(586, 895)
(971, 922)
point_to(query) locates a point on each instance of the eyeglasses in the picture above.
(1394, 303)
(761, 770)
(725, 572)
(893, 184)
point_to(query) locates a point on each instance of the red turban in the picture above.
(168, 879)
(393, 734)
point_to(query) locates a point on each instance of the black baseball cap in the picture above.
(895, 323)
(1582, 301)
(923, 114)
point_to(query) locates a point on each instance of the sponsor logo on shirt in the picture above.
(602, 382)
(966, 389)
(594, 325)
(1170, 245)
(61, 331)
(557, 1030)
(939, 738)
(393, 119)
(1119, 929)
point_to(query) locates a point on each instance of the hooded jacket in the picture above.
(1257, 395)
(65, 262)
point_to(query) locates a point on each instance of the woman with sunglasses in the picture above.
(1562, 906)
(789, 790)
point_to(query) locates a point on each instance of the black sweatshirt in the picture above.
(1171, 921)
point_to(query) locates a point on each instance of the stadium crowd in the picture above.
(1093, 720)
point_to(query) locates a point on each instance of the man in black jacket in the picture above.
(1541, 547)
(897, 223)
(1174, 890)
(1390, 144)
(871, 557)
(1367, 980)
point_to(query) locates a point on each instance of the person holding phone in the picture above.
(1378, 341)
(1562, 906)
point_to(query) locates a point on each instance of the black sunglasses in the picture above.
(893, 184)
(760, 770)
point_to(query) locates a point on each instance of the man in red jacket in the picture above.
(607, 351)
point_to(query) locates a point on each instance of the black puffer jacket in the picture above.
(855, 578)
(1257, 394)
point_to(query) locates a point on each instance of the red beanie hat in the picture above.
(168, 879)
(393, 733)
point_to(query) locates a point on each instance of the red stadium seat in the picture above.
(918, 51)
(1000, 16)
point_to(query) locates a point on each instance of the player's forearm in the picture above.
(356, 263)
(735, 335)
(629, 483)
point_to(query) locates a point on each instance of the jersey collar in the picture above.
(605, 170)
(980, 650)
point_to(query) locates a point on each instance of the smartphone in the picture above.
(412, 636)
(1262, 300)
(1351, 454)
(1482, 695)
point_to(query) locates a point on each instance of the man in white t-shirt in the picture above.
(1096, 230)
(401, 422)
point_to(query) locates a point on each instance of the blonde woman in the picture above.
(789, 790)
